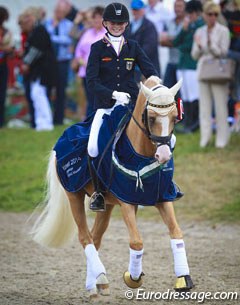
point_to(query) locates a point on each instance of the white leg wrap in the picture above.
(90, 279)
(180, 257)
(135, 263)
(94, 265)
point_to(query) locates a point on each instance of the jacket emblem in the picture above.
(106, 59)
(129, 65)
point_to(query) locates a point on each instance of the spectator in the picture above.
(143, 31)
(59, 29)
(186, 68)
(232, 16)
(40, 14)
(173, 27)
(91, 35)
(69, 10)
(212, 40)
(5, 49)
(81, 23)
(23, 24)
(39, 68)
(159, 16)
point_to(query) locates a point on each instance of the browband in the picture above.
(161, 106)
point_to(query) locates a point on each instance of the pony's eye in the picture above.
(151, 120)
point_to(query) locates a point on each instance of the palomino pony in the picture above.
(147, 136)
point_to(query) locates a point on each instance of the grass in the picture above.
(209, 177)
(23, 161)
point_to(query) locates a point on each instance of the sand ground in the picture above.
(31, 275)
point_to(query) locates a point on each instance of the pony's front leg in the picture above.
(95, 268)
(133, 277)
(184, 281)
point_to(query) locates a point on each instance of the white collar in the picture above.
(114, 38)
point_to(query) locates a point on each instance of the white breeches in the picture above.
(95, 128)
(217, 95)
(42, 110)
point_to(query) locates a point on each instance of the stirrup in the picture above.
(183, 283)
(97, 202)
(130, 282)
(180, 194)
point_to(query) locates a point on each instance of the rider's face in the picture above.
(115, 28)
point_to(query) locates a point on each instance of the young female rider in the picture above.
(110, 76)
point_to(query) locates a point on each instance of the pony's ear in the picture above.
(146, 91)
(176, 87)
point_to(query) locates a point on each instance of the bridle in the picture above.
(156, 140)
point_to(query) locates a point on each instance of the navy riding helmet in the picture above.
(116, 12)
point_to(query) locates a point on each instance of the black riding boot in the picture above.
(97, 203)
(180, 194)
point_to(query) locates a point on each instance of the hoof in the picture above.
(183, 283)
(103, 285)
(130, 282)
(93, 294)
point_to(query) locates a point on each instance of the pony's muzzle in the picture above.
(163, 154)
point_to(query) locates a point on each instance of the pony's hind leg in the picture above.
(78, 210)
(95, 268)
(100, 225)
(133, 277)
(181, 268)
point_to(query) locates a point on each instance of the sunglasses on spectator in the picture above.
(213, 14)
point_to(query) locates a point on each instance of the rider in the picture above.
(110, 76)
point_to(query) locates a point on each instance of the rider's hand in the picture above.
(121, 98)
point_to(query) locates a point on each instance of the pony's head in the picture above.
(160, 114)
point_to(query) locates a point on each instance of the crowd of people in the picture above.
(195, 31)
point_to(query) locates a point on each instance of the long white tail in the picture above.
(55, 226)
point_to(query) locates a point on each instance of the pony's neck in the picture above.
(140, 142)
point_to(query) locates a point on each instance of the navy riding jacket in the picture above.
(107, 72)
